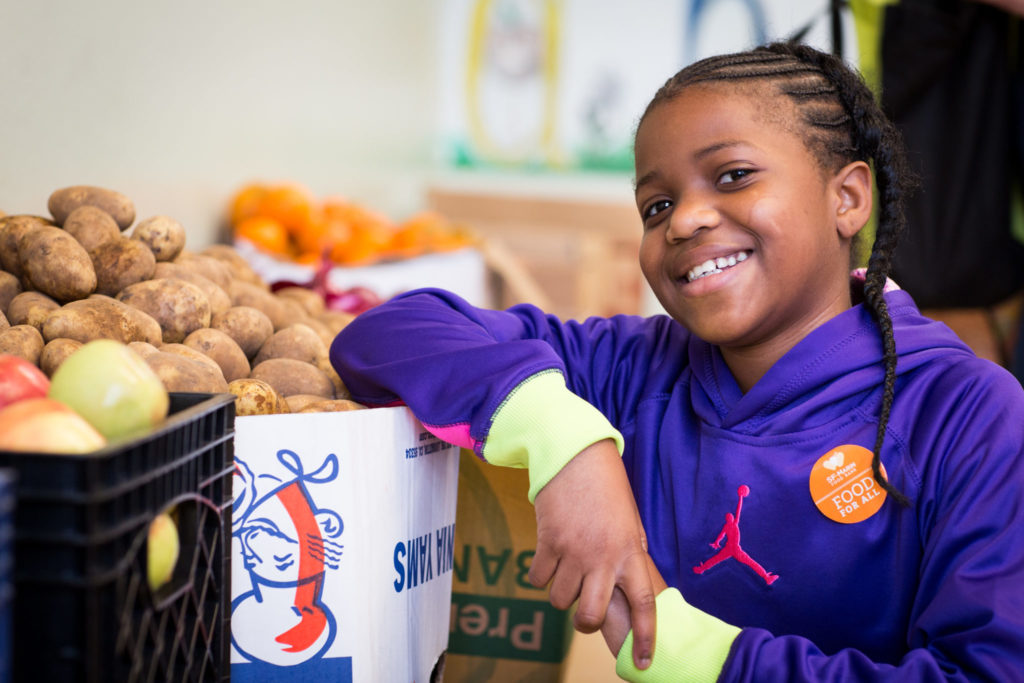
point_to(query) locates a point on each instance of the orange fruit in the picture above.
(308, 258)
(292, 205)
(429, 231)
(369, 236)
(246, 202)
(266, 233)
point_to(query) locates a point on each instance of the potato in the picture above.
(236, 263)
(65, 200)
(121, 262)
(289, 376)
(254, 296)
(180, 307)
(191, 354)
(91, 226)
(54, 263)
(311, 302)
(55, 352)
(143, 349)
(335, 321)
(322, 331)
(291, 312)
(340, 390)
(332, 406)
(256, 397)
(281, 311)
(179, 373)
(218, 298)
(23, 341)
(222, 349)
(4, 324)
(248, 326)
(11, 230)
(10, 287)
(31, 308)
(296, 402)
(207, 266)
(101, 317)
(164, 236)
(296, 341)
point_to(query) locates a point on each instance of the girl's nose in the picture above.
(689, 216)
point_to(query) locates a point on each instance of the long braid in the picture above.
(844, 124)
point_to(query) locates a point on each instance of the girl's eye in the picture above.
(655, 208)
(733, 176)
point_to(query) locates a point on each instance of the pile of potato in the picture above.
(204, 321)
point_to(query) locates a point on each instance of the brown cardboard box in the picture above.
(501, 628)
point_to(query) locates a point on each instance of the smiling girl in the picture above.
(868, 467)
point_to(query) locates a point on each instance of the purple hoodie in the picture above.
(933, 591)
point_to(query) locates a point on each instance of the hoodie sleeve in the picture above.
(472, 374)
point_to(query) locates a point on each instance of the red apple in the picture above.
(43, 425)
(19, 380)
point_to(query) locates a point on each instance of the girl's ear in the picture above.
(853, 193)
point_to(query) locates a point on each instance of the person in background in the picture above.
(950, 76)
(816, 481)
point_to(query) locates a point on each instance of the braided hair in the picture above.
(842, 123)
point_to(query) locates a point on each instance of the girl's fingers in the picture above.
(595, 595)
(638, 586)
(542, 567)
(565, 587)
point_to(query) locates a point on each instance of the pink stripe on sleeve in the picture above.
(457, 434)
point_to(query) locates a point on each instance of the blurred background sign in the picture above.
(560, 84)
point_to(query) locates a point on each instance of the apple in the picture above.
(112, 387)
(19, 380)
(162, 547)
(43, 425)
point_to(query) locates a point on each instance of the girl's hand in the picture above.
(616, 623)
(590, 542)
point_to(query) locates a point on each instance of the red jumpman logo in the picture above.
(731, 533)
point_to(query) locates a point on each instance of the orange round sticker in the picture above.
(843, 487)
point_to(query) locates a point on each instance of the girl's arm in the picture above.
(496, 382)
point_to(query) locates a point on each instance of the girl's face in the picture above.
(740, 240)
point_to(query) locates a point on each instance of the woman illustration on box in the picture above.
(287, 546)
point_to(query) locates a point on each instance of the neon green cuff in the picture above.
(542, 425)
(691, 645)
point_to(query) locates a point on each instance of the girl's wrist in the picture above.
(542, 425)
(691, 644)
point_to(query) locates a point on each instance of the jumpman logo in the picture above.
(731, 533)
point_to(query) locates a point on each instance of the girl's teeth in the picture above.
(714, 266)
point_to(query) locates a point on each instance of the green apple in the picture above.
(162, 547)
(112, 387)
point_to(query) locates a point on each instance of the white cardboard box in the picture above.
(342, 547)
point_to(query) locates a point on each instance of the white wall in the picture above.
(176, 104)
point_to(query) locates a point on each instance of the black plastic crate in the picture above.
(7, 479)
(83, 610)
